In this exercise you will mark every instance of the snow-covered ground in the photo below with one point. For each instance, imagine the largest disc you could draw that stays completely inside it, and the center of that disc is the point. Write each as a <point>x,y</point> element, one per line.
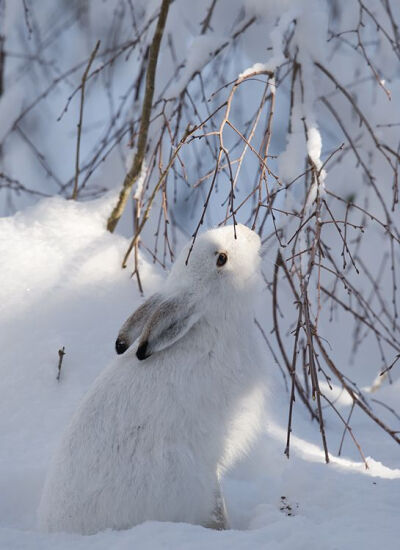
<point>62,285</point>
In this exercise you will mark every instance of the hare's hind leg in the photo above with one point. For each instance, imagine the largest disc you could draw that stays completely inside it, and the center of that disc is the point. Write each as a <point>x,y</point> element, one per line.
<point>219,516</point>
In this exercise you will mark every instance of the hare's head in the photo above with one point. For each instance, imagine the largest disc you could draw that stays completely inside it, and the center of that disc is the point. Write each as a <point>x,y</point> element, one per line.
<point>221,271</point>
<point>222,259</point>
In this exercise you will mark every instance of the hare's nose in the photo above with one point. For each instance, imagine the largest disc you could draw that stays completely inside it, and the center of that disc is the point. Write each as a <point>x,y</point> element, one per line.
<point>121,346</point>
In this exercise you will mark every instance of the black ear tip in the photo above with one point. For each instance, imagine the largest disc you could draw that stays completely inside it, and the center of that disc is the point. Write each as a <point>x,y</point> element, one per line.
<point>121,346</point>
<point>141,351</point>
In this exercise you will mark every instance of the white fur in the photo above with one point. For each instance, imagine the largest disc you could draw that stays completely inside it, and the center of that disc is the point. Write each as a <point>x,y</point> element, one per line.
<point>152,437</point>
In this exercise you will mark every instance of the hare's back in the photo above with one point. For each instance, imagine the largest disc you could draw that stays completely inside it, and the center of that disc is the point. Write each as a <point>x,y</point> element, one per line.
<point>97,460</point>
<point>118,457</point>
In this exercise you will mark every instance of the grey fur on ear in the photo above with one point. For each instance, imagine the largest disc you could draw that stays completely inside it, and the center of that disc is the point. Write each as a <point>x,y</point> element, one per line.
<point>170,321</point>
<point>133,326</point>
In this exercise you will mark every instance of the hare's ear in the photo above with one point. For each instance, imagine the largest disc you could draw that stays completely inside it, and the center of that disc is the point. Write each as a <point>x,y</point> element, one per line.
<point>171,320</point>
<point>133,326</point>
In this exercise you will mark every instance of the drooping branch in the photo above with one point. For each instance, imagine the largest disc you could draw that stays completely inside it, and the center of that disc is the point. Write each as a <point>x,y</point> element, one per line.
<point>153,196</point>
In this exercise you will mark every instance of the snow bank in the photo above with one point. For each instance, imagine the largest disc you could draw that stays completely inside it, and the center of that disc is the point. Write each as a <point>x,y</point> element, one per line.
<point>62,285</point>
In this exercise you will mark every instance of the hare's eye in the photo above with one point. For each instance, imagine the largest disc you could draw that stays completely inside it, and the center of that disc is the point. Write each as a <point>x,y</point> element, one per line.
<point>222,259</point>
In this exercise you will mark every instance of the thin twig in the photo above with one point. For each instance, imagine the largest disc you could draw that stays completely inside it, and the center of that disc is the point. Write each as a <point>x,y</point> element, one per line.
<point>61,353</point>
<point>78,139</point>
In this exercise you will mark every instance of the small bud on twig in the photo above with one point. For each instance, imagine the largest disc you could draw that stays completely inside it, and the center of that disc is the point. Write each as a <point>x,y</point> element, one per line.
<point>61,353</point>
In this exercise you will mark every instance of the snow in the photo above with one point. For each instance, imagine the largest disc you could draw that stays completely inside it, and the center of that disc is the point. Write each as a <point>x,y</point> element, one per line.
<point>199,52</point>
<point>277,39</point>
<point>314,148</point>
<point>314,145</point>
<point>291,160</point>
<point>62,285</point>
<point>256,68</point>
<point>140,182</point>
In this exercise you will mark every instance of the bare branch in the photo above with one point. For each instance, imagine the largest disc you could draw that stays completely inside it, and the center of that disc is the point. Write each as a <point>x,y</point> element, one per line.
<point>135,170</point>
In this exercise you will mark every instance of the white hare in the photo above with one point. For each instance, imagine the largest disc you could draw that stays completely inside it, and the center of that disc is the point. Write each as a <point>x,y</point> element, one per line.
<point>153,435</point>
